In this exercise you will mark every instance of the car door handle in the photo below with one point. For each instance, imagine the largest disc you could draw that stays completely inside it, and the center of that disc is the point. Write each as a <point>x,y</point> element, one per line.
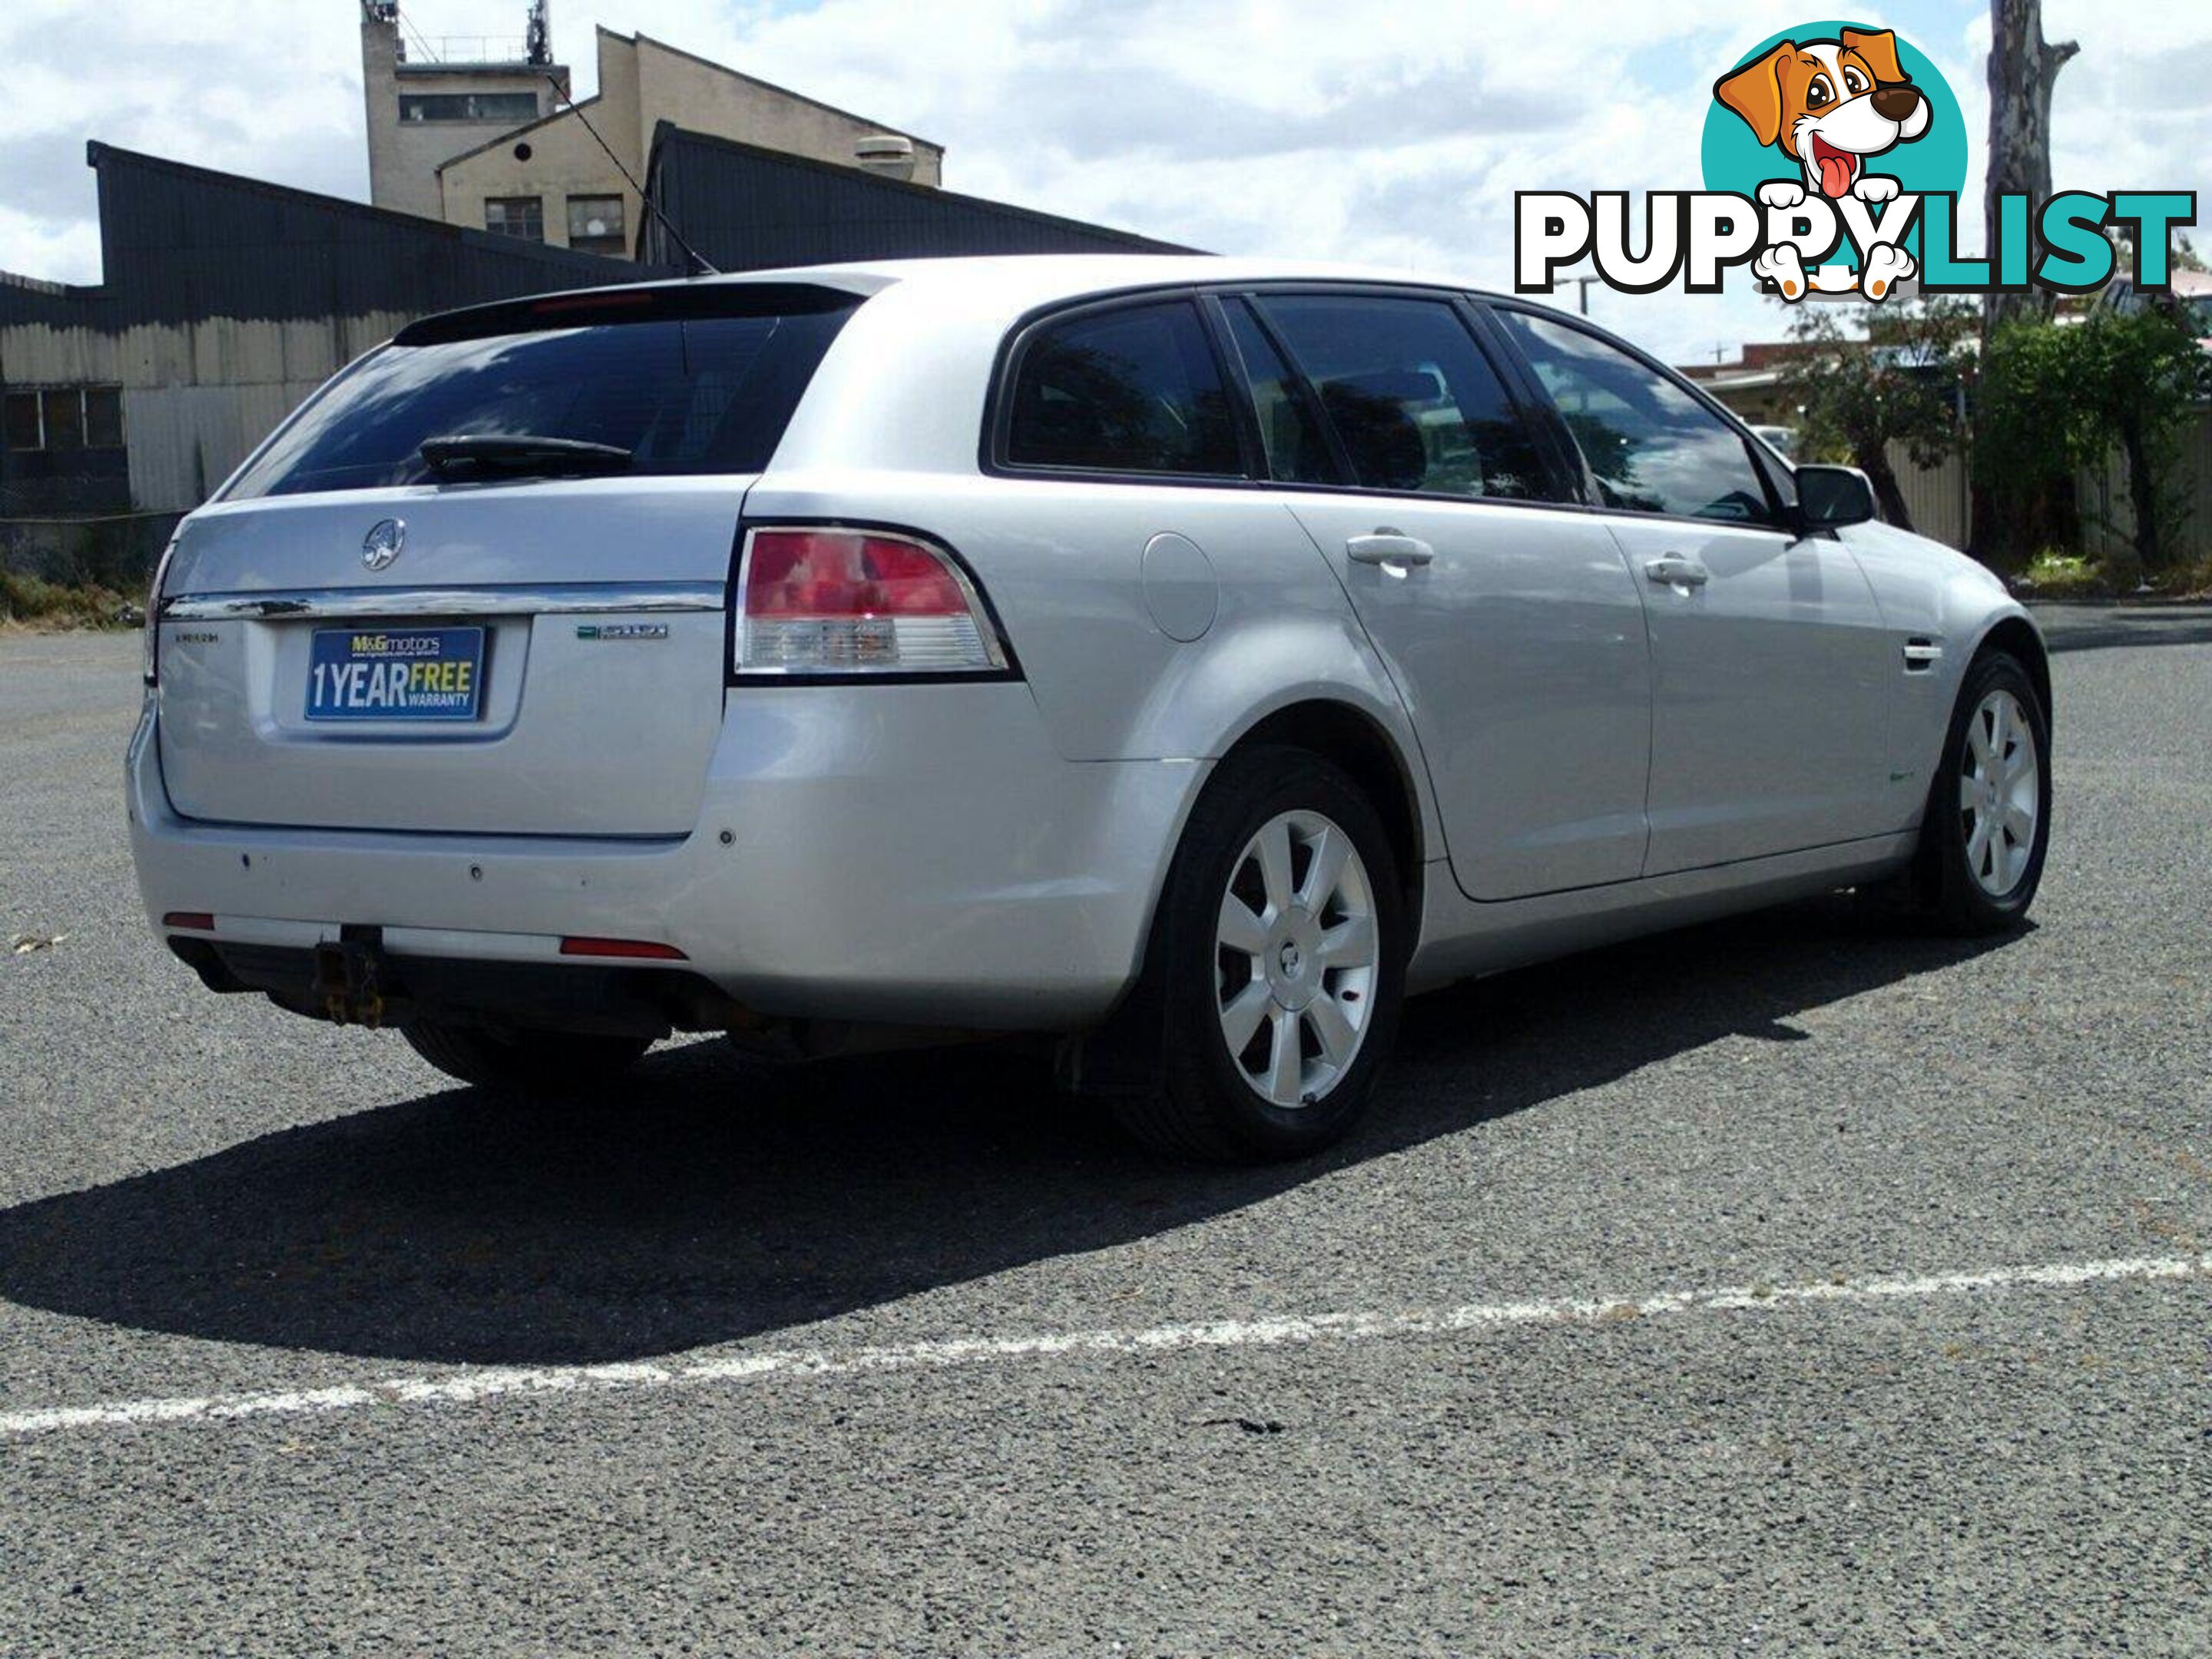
<point>1675,571</point>
<point>1388,547</point>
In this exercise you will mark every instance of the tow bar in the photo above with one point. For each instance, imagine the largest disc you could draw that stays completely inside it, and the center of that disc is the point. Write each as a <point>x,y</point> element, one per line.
<point>349,978</point>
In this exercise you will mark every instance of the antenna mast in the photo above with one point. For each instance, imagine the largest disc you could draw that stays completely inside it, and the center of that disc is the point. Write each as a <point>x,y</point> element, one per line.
<point>699,265</point>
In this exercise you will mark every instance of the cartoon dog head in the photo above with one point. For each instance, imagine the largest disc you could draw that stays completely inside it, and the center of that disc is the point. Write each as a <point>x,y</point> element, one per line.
<point>1829,105</point>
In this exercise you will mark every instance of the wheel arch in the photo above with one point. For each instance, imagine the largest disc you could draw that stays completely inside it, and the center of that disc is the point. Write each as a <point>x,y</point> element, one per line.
<point>1121,1054</point>
<point>1349,738</point>
<point>2020,637</point>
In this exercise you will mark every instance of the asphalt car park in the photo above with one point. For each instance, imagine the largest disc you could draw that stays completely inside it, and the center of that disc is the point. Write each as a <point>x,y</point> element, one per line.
<point>1794,1283</point>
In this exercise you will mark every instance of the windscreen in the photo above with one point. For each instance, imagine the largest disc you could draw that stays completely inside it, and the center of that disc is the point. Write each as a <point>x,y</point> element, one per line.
<point>682,395</point>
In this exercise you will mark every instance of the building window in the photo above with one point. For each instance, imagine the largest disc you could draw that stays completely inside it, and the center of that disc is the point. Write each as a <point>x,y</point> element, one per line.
<point>66,417</point>
<point>63,410</point>
<point>511,108</point>
<point>103,418</point>
<point>516,216</point>
<point>24,431</point>
<point>595,225</point>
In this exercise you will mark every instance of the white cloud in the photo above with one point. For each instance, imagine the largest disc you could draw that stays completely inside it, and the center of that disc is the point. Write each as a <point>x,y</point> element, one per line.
<point>1393,135</point>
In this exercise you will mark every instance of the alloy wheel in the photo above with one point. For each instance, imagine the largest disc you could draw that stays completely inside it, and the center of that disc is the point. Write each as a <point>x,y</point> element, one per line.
<point>1296,952</point>
<point>2000,793</point>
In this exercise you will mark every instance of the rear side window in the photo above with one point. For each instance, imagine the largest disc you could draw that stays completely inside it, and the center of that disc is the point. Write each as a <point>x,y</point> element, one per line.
<point>694,395</point>
<point>1651,446</point>
<point>1134,389</point>
<point>1297,453</point>
<point>1412,399</point>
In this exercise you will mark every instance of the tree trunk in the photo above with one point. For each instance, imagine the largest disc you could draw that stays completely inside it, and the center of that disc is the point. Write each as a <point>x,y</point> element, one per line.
<point>2021,68</point>
<point>2142,499</point>
<point>1875,463</point>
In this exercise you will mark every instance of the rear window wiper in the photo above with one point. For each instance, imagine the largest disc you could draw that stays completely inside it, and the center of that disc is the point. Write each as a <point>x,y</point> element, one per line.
<point>520,456</point>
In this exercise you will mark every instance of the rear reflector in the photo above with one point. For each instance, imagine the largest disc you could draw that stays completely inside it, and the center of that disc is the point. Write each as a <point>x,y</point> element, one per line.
<point>833,601</point>
<point>197,921</point>
<point>635,949</point>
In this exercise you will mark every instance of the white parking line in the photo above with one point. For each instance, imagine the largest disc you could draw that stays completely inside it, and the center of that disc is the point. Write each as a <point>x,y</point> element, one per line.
<point>463,1388</point>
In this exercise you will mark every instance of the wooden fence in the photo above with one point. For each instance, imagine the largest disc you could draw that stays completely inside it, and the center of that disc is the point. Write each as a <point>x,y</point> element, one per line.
<point>1939,500</point>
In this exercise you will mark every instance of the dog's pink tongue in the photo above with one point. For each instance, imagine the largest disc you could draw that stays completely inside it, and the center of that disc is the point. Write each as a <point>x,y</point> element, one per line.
<point>1835,173</point>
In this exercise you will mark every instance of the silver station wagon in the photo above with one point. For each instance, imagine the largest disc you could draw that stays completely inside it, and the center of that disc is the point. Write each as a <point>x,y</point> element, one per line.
<point>1184,657</point>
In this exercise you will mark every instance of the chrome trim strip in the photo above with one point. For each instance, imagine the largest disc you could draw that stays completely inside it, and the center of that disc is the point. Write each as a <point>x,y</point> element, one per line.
<point>359,603</point>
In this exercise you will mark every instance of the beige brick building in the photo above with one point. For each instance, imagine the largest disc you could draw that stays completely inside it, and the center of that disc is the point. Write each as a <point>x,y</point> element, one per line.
<point>490,146</point>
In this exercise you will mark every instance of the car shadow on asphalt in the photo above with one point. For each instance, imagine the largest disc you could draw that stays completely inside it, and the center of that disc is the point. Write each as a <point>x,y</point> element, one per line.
<point>715,1201</point>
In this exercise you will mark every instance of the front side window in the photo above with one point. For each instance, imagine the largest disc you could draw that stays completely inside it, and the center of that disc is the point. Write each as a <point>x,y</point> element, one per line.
<point>516,216</point>
<point>1651,446</point>
<point>1135,389</point>
<point>595,225</point>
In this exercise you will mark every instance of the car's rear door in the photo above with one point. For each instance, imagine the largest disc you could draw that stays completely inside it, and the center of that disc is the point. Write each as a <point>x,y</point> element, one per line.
<point>1514,631</point>
<point>1770,664</point>
<point>516,641</point>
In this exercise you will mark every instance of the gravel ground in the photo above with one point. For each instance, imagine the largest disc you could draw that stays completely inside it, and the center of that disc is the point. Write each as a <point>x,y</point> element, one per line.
<point>201,1196</point>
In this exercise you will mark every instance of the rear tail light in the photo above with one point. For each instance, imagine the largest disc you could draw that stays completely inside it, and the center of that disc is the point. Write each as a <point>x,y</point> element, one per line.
<point>195,922</point>
<point>830,601</point>
<point>150,654</point>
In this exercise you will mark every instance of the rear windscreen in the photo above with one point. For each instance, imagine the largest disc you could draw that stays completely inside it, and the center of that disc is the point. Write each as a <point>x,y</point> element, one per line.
<point>688,395</point>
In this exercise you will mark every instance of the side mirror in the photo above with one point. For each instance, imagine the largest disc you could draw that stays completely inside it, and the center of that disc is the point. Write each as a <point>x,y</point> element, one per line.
<point>1830,497</point>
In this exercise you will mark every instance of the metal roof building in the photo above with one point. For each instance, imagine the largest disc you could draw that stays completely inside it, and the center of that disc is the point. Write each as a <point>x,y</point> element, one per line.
<point>748,209</point>
<point>225,301</point>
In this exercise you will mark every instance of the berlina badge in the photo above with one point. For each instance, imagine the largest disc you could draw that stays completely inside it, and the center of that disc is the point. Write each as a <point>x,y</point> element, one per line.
<point>384,544</point>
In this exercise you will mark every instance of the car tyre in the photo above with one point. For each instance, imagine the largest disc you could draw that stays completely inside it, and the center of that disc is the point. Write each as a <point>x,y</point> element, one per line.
<point>524,1062</point>
<point>1987,823</point>
<point>1277,965</point>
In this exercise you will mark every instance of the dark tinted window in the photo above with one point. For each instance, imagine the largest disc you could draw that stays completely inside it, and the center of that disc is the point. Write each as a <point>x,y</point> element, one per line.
<point>1130,391</point>
<point>103,418</point>
<point>1295,451</point>
<point>698,396</point>
<point>24,429</point>
<point>64,412</point>
<point>1413,401</point>
<point>1652,446</point>
<point>513,108</point>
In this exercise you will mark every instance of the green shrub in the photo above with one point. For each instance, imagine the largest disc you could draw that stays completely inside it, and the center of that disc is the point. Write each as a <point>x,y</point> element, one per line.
<point>2057,397</point>
<point>55,604</point>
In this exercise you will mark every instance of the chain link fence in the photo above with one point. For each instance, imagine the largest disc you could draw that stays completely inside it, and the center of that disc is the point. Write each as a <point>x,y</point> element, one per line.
<point>116,551</point>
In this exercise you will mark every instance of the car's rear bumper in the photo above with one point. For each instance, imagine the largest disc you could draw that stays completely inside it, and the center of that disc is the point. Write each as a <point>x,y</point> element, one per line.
<point>907,853</point>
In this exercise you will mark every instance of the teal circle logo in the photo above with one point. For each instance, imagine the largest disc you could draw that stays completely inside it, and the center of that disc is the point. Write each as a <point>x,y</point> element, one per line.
<point>1827,105</point>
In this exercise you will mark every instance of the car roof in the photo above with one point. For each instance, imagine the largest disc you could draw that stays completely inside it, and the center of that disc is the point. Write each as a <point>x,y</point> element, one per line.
<point>1025,280</point>
<point>1004,286</point>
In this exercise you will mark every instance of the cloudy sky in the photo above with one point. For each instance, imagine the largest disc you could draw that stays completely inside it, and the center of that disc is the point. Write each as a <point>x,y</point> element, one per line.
<point>1390,135</point>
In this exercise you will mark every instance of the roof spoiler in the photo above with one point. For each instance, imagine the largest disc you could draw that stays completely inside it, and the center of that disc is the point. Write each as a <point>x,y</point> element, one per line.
<point>597,307</point>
